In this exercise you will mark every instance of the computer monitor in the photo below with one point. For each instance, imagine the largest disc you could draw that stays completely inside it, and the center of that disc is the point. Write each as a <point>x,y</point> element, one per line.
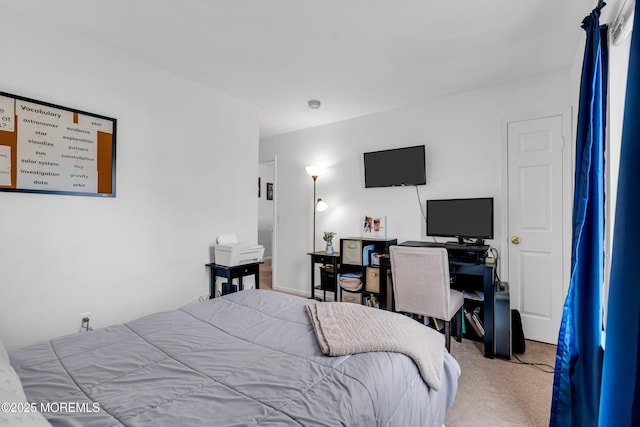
<point>461,218</point>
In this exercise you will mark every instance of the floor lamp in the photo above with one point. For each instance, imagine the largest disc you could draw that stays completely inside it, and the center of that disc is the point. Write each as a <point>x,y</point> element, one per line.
<point>318,204</point>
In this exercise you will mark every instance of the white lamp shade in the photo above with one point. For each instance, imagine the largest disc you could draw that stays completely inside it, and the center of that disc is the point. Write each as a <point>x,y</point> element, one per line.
<point>321,205</point>
<point>314,170</point>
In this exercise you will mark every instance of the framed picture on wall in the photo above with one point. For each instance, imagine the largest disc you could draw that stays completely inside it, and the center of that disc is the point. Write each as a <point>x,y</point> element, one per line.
<point>269,191</point>
<point>48,148</point>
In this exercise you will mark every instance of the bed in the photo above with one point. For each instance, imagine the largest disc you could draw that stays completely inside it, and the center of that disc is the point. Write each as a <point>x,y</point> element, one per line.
<point>248,358</point>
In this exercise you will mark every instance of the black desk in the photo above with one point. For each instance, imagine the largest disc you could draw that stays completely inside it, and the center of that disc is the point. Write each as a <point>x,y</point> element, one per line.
<point>463,261</point>
<point>330,283</point>
<point>234,272</point>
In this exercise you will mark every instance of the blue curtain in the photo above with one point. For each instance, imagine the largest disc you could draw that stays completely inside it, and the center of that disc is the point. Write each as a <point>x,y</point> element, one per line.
<point>576,386</point>
<point>620,396</point>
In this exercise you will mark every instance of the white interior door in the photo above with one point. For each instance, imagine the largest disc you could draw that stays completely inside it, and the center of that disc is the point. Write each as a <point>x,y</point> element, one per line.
<point>535,203</point>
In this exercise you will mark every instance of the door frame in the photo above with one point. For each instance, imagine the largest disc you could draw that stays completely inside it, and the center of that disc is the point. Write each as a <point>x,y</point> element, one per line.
<point>568,167</point>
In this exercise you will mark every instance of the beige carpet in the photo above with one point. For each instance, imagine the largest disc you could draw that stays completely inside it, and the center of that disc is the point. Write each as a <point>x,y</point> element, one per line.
<point>496,392</point>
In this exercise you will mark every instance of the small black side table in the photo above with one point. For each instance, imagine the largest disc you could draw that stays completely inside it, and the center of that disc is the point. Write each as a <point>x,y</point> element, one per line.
<point>331,282</point>
<point>236,271</point>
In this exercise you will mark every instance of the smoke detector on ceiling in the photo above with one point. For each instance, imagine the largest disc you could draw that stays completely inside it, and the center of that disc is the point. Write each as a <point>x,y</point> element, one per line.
<point>314,104</point>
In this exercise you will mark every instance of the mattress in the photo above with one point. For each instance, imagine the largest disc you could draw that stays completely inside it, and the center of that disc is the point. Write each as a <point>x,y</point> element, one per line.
<point>246,359</point>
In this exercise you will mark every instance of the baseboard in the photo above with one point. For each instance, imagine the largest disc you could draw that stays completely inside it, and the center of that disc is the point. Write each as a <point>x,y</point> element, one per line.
<point>292,291</point>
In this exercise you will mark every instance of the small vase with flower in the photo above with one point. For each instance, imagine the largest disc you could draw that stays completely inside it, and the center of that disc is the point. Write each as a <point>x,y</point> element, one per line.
<point>328,238</point>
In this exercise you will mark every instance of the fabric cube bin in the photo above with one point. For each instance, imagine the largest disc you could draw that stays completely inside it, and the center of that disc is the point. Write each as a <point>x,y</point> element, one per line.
<point>372,280</point>
<point>351,252</point>
<point>354,297</point>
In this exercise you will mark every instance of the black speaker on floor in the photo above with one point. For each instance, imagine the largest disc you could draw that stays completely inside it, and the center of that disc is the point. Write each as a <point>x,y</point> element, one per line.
<point>517,334</point>
<point>502,321</point>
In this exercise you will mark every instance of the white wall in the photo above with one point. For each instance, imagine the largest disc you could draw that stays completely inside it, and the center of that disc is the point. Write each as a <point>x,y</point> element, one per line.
<point>187,160</point>
<point>463,134</point>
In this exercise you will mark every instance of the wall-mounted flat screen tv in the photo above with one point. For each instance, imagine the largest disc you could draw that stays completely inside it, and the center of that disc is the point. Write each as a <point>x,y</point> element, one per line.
<point>395,167</point>
<point>461,218</point>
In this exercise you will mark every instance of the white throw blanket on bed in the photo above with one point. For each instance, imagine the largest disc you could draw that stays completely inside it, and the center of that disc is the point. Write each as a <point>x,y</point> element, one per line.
<point>343,329</point>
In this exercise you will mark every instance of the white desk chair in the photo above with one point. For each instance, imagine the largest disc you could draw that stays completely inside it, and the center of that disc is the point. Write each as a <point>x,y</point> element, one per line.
<point>421,286</point>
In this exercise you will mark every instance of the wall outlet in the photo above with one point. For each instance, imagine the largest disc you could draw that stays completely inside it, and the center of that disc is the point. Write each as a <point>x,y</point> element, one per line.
<point>85,321</point>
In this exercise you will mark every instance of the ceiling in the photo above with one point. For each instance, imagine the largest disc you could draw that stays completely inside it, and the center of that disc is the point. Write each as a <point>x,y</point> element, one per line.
<point>356,56</point>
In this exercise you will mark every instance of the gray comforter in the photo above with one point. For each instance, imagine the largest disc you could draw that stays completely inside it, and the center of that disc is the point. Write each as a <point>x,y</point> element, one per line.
<point>249,358</point>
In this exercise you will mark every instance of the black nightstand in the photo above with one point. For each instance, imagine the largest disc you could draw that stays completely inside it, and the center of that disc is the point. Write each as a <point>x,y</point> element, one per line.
<point>328,279</point>
<point>234,272</point>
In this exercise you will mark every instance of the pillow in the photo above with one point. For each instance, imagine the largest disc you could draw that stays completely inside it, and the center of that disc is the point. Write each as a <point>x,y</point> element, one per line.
<point>15,410</point>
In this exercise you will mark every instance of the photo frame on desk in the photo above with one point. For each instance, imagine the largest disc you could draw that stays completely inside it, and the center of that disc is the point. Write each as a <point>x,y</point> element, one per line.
<point>374,226</point>
<point>375,259</point>
<point>51,149</point>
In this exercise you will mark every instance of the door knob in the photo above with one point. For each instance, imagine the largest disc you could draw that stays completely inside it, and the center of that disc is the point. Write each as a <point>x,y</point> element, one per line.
<point>515,240</point>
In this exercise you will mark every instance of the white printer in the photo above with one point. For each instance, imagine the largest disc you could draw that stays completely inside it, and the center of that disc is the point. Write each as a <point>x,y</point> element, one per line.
<point>229,252</point>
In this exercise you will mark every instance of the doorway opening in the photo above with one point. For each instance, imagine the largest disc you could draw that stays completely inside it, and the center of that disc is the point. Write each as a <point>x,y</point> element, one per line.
<point>266,220</point>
